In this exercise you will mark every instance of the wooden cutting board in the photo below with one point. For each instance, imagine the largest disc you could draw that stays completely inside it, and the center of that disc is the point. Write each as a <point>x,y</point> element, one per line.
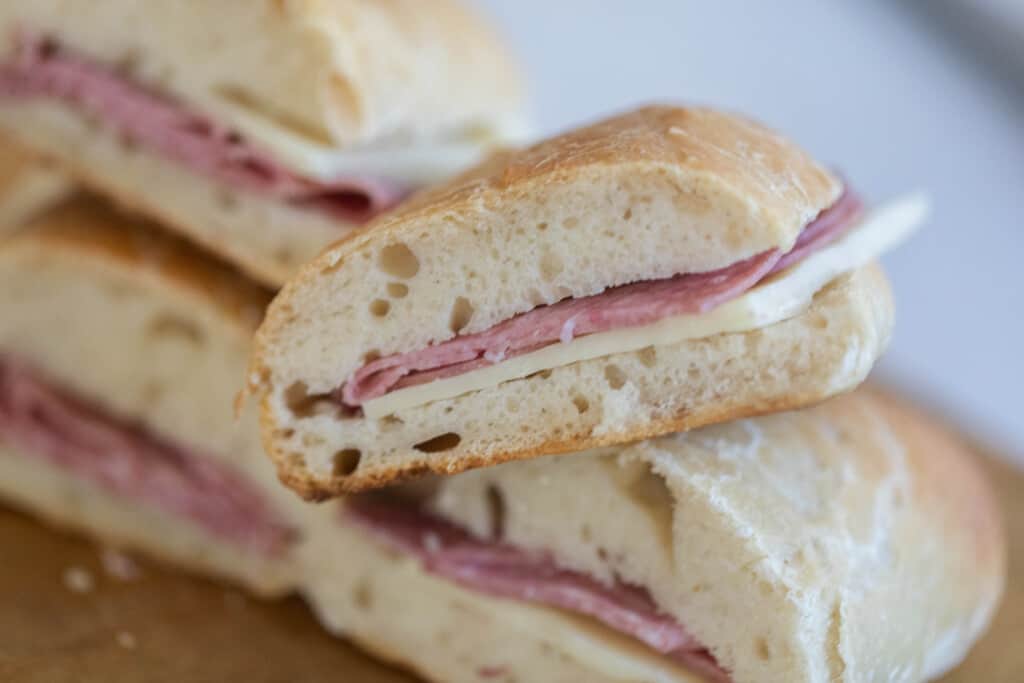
<point>163,626</point>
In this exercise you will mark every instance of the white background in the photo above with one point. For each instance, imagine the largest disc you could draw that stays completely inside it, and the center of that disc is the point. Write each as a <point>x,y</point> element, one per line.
<point>892,93</point>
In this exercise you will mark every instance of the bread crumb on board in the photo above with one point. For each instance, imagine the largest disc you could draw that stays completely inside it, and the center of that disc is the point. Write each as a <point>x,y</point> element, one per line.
<point>78,580</point>
<point>126,640</point>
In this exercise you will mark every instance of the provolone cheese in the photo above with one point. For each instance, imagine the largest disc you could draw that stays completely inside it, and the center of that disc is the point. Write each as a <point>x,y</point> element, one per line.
<point>407,162</point>
<point>778,298</point>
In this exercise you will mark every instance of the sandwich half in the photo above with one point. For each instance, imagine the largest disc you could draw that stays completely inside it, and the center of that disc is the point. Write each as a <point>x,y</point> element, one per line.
<point>263,129</point>
<point>26,187</point>
<point>120,352</point>
<point>852,542</point>
<point>654,272</point>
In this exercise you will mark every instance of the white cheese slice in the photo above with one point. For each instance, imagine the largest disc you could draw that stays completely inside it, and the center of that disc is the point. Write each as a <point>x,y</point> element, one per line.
<point>778,298</point>
<point>412,163</point>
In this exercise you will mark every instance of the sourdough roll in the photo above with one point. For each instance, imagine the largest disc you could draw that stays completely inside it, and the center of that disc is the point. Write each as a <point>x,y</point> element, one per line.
<point>657,271</point>
<point>271,128</point>
<point>855,541</point>
<point>120,353</point>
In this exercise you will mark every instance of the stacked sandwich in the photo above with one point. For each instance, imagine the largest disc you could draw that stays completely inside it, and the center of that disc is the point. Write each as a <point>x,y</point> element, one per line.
<point>245,137</point>
<point>530,392</point>
<point>663,270</point>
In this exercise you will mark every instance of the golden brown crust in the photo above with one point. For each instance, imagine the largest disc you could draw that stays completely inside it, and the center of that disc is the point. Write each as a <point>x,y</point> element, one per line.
<point>698,146</point>
<point>88,227</point>
<point>951,485</point>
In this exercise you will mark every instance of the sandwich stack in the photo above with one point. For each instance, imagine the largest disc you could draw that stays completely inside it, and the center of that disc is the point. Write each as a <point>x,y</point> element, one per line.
<point>125,338</point>
<point>636,292</point>
<point>581,411</point>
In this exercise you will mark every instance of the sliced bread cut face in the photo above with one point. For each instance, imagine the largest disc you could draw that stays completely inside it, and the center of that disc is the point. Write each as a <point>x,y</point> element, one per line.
<point>828,349</point>
<point>647,195</point>
<point>149,335</point>
<point>776,541</point>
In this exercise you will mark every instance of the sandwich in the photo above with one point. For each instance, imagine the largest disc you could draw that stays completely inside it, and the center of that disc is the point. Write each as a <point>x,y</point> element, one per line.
<point>261,129</point>
<point>654,272</point>
<point>850,542</point>
<point>120,352</point>
<point>26,187</point>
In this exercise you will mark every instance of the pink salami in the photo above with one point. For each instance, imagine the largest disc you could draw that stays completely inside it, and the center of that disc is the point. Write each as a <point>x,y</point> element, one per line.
<point>495,568</point>
<point>41,421</point>
<point>41,69</point>
<point>639,303</point>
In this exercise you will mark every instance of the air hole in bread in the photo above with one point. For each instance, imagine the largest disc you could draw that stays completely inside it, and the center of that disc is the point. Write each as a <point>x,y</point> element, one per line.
<point>346,461</point>
<point>128,144</point>
<point>586,535</point>
<point>284,433</point>
<point>581,403</point>
<point>762,650</point>
<point>284,255</point>
<point>650,492</point>
<point>299,401</point>
<point>615,376</point>
<point>439,444</point>
<point>371,355</point>
<point>391,422</point>
<point>152,392</point>
<point>820,322</point>
<point>362,595</point>
<point>171,325</point>
<point>380,307</point>
<point>570,222</point>
<point>697,588</point>
<point>496,512</point>
<point>628,214</point>
<point>462,313</point>
<point>228,200</point>
<point>397,260</point>
<point>92,123</point>
<point>397,290</point>
<point>648,356</point>
<point>542,226</point>
<point>550,266</point>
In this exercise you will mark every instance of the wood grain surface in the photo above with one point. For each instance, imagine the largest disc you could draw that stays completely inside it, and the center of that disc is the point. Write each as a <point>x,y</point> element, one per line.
<point>163,626</point>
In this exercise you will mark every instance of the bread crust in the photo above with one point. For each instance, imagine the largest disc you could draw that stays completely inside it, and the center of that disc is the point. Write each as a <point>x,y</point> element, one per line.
<point>717,160</point>
<point>780,542</point>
